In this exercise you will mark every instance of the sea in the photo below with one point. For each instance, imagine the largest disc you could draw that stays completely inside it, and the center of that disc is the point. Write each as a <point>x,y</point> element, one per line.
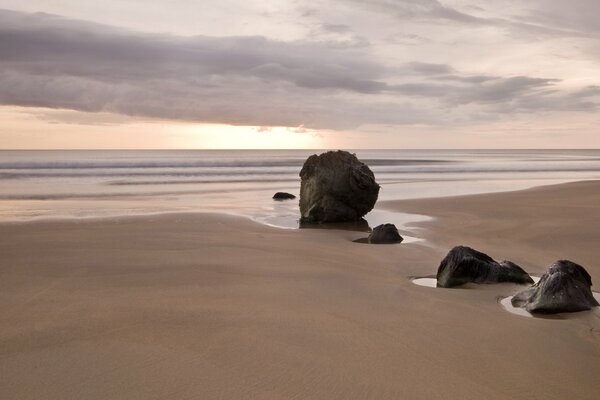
<point>50,184</point>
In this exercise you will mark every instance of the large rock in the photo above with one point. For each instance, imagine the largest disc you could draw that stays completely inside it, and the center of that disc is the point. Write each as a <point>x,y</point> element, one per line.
<point>463,264</point>
<point>565,287</point>
<point>336,187</point>
<point>385,234</point>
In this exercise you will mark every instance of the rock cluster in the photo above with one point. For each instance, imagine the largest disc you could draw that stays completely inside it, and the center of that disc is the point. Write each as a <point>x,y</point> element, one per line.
<point>337,188</point>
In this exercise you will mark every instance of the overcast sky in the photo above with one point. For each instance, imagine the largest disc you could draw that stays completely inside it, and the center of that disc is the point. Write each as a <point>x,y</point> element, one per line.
<point>345,73</point>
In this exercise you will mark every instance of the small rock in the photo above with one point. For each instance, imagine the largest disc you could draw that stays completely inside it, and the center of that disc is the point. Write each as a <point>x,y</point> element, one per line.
<point>385,234</point>
<point>283,196</point>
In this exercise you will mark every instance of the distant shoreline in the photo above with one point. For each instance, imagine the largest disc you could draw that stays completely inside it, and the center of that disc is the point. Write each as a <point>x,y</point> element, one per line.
<point>121,183</point>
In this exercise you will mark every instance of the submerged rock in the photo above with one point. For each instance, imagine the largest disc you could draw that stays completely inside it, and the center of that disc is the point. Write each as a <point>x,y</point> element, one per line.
<point>463,264</point>
<point>565,287</point>
<point>283,196</point>
<point>385,234</point>
<point>336,187</point>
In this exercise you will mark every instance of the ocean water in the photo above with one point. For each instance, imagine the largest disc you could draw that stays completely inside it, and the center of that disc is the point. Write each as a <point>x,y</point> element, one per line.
<point>57,184</point>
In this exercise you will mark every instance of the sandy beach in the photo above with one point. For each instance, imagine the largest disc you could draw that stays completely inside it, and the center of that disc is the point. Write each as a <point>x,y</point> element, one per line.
<point>209,306</point>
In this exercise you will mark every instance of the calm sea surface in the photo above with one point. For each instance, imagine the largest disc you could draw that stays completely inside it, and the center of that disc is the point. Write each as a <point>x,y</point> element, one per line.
<point>41,184</point>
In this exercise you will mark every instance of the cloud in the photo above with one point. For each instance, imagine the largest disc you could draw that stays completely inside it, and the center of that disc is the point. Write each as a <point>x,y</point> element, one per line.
<point>49,61</point>
<point>429,68</point>
<point>503,89</point>
<point>62,46</point>
<point>572,16</point>
<point>335,28</point>
<point>544,18</point>
<point>466,78</point>
<point>486,90</point>
<point>55,62</point>
<point>406,39</point>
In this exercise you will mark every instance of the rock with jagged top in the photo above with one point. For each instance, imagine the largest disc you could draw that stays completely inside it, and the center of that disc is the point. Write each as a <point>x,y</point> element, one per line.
<point>336,187</point>
<point>564,287</point>
<point>463,265</point>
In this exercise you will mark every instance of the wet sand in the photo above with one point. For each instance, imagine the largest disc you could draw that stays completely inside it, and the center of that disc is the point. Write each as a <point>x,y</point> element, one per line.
<point>203,306</point>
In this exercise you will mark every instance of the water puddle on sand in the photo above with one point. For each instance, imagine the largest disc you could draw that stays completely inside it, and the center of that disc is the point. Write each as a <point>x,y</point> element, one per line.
<point>507,305</point>
<point>427,282</point>
<point>285,215</point>
<point>432,282</point>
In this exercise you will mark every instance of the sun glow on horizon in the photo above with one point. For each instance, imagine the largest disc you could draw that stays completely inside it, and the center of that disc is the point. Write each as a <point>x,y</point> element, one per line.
<point>31,128</point>
<point>219,136</point>
<point>42,128</point>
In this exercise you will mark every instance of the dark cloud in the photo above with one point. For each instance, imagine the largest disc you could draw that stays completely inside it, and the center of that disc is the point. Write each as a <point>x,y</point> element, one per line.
<point>466,78</point>
<point>52,45</point>
<point>481,90</point>
<point>49,61</point>
<point>428,68</point>
<point>424,89</point>
<point>502,90</point>
<point>589,91</point>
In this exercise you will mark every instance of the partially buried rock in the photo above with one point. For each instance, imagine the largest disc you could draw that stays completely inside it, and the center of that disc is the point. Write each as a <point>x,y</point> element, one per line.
<point>283,196</point>
<point>463,264</point>
<point>565,287</point>
<point>385,234</point>
<point>360,225</point>
<point>336,187</point>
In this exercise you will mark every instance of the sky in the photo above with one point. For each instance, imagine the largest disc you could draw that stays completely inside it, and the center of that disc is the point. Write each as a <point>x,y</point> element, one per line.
<point>299,74</point>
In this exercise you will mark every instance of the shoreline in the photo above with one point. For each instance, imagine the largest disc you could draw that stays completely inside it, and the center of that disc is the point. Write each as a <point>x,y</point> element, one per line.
<point>213,306</point>
<point>382,207</point>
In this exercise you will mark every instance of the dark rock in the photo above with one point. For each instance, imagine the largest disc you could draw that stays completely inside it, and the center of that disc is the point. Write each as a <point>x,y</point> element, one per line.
<point>463,264</point>
<point>385,234</point>
<point>565,287</point>
<point>336,187</point>
<point>283,196</point>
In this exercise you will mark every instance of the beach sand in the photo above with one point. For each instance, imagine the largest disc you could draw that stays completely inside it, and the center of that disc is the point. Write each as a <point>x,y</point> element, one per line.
<point>204,306</point>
